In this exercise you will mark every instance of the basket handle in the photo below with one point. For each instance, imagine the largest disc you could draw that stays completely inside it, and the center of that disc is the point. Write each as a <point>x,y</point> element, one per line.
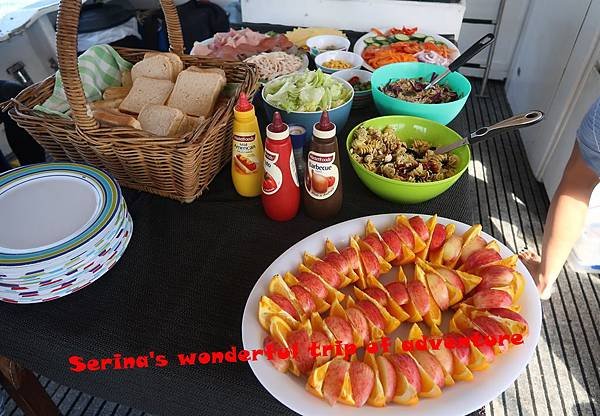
<point>67,23</point>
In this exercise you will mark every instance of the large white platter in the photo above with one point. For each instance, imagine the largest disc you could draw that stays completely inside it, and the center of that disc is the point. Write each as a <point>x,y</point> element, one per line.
<point>460,399</point>
<point>360,46</point>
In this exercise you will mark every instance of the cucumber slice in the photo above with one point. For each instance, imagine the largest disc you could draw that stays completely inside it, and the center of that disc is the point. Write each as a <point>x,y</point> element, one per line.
<point>369,41</point>
<point>381,39</point>
<point>418,36</point>
<point>392,39</point>
<point>402,37</point>
<point>429,39</point>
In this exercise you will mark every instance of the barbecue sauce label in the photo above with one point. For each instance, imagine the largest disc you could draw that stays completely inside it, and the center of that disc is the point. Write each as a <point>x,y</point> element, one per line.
<point>244,151</point>
<point>273,177</point>
<point>322,176</point>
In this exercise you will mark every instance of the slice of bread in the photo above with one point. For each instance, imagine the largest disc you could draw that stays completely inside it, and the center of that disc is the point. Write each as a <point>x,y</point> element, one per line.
<point>189,123</point>
<point>112,103</point>
<point>175,60</point>
<point>156,67</point>
<point>146,91</point>
<point>196,92</point>
<point>161,120</point>
<point>109,118</point>
<point>126,80</point>
<point>112,93</point>
<point>210,71</point>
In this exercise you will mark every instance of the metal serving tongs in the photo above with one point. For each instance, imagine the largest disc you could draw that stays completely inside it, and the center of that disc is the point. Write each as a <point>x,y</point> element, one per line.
<point>463,58</point>
<point>504,126</point>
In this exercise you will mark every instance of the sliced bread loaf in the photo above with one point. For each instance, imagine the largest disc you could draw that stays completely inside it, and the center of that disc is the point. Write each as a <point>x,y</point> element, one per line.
<point>146,91</point>
<point>175,61</point>
<point>157,67</point>
<point>161,120</point>
<point>110,117</point>
<point>196,92</point>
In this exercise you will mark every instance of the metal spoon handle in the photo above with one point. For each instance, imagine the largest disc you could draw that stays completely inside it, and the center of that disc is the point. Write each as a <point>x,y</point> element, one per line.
<point>463,58</point>
<point>512,123</point>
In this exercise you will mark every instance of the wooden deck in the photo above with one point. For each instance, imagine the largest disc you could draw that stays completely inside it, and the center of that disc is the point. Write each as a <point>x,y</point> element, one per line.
<point>563,377</point>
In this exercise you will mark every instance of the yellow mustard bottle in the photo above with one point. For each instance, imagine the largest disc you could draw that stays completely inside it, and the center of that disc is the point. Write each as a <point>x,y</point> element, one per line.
<point>247,153</point>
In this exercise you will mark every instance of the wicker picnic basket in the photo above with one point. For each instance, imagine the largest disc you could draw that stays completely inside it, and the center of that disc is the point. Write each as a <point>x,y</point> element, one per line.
<point>180,168</point>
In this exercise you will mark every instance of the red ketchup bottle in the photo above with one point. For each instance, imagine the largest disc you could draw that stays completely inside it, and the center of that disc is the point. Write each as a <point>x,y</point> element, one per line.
<point>280,188</point>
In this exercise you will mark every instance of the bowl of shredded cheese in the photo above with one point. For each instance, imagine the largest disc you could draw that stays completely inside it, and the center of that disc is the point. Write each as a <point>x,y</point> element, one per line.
<point>334,61</point>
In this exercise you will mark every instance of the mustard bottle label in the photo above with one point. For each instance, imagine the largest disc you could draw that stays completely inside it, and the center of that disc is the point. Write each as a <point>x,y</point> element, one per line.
<point>245,153</point>
<point>322,175</point>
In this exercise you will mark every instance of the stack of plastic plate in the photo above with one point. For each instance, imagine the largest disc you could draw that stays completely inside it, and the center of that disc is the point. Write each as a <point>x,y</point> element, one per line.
<point>62,226</point>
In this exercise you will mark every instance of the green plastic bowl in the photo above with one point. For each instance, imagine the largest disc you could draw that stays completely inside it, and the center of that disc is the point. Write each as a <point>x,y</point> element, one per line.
<point>409,128</point>
<point>442,113</point>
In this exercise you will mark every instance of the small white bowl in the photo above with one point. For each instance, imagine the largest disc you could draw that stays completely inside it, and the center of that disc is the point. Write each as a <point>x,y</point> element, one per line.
<point>353,59</point>
<point>324,43</point>
<point>362,74</point>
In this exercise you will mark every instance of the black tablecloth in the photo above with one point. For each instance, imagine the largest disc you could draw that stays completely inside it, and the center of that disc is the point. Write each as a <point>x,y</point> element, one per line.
<point>181,286</point>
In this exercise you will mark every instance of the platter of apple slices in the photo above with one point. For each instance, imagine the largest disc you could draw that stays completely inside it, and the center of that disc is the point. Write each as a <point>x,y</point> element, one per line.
<point>393,277</point>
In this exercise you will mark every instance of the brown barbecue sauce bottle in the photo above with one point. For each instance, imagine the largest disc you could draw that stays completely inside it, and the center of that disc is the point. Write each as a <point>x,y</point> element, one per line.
<point>322,193</point>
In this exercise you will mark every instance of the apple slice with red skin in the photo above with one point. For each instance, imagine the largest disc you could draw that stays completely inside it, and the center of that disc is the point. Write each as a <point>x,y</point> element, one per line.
<point>419,295</point>
<point>377,294</point>
<point>444,357</point>
<point>471,247</point>
<point>452,277</point>
<point>409,270</point>
<point>461,352</point>
<point>397,291</point>
<point>362,380</point>
<point>304,299</point>
<point>338,262</point>
<point>492,328</point>
<point>370,263</point>
<point>508,314</point>
<point>495,276</point>
<point>334,380</point>
<point>285,304</point>
<point>327,273</point>
<point>439,290</point>
<point>437,237</point>
<point>480,258</point>
<point>371,312</point>
<point>405,365</point>
<point>491,298</point>
<point>418,224</point>
<point>405,235</point>
<point>320,339</point>
<point>280,364</point>
<point>431,366</point>
<point>387,375</point>
<point>341,329</point>
<point>351,256</point>
<point>485,349</point>
<point>359,323</point>
<point>375,243</point>
<point>303,359</point>
<point>313,284</point>
<point>452,248</point>
<point>393,242</point>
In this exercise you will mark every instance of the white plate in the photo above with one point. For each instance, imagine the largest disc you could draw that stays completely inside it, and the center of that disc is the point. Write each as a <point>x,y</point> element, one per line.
<point>360,45</point>
<point>460,399</point>
<point>46,211</point>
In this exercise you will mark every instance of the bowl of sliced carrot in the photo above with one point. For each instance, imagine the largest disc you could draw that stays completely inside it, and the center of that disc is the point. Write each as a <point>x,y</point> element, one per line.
<point>394,45</point>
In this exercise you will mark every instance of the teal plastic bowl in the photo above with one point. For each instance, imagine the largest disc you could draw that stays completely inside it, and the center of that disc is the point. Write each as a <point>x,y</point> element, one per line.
<point>441,113</point>
<point>408,129</point>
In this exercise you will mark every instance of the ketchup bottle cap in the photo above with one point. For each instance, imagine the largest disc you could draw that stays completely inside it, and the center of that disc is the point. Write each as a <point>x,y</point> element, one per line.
<point>277,130</point>
<point>324,129</point>
<point>243,104</point>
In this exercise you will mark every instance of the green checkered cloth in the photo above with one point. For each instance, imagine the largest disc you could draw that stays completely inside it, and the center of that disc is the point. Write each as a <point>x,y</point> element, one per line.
<point>100,67</point>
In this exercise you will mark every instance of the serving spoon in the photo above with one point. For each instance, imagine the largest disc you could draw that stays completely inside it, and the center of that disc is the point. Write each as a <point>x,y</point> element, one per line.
<point>504,126</point>
<point>464,58</point>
